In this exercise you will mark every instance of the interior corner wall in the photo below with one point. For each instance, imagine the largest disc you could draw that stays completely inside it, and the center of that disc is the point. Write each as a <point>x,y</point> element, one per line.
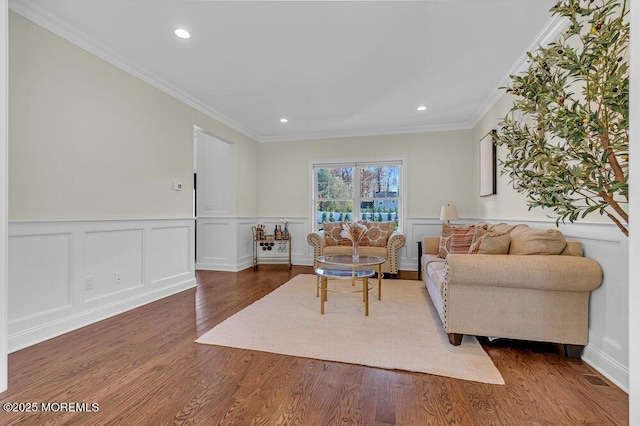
<point>634,252</point>
<point>90,141</point>
<point>608,345</point>
<point>3,193</point>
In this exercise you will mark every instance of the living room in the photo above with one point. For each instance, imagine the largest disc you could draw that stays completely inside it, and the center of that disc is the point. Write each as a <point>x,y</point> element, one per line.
<point>98,196</point>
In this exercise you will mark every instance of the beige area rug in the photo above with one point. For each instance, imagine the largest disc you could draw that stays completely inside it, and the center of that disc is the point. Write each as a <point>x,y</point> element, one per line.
<point>402,332</point>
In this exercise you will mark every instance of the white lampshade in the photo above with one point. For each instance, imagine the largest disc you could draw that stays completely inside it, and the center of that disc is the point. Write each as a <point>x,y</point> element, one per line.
<point>448,213</point>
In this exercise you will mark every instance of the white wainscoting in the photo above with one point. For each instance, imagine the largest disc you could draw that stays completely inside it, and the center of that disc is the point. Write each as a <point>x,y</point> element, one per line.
<point>608,348</point>
<point>62,274</point>
<point>226,243</point>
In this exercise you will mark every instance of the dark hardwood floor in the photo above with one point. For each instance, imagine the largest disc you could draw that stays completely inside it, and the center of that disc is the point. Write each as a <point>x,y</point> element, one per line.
<point>143,368</point>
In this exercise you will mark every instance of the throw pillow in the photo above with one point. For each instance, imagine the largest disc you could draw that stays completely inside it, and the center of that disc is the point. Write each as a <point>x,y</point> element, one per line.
<point>378,234</point>
<point>502,227</point>
<point>518,229</point>
<point>533,241</point>
<point>482,225</point>
<point>332,232</point>
<point>463,238</point>
<point>445,240</point>
<point>491,242</point>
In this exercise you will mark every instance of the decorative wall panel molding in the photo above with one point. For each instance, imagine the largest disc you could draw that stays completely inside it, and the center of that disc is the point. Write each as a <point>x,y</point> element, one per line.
<point>225,243</point>
<point>64,275</point>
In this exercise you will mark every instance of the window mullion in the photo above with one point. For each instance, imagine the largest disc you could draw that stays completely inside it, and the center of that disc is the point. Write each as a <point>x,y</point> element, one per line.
<point>356,193</point>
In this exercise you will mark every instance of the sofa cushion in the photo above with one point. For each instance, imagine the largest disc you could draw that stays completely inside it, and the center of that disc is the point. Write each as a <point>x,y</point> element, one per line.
<point>490,242</point>
<point>379,233</point>
<point>518,229</point>
<point>534,241</point>
<point>511,229</point>
<point>500,227</point>
<point>435,274</point>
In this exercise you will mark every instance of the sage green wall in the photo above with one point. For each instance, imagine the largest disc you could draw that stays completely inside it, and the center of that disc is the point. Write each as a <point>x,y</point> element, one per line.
<point>89,141</point>
<point>439,170</point>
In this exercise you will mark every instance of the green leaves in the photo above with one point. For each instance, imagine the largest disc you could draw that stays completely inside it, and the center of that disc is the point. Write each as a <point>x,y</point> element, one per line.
<point>569,150</point>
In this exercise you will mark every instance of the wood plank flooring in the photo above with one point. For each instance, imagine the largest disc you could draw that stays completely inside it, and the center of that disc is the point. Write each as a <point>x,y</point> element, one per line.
<point>143,368</point>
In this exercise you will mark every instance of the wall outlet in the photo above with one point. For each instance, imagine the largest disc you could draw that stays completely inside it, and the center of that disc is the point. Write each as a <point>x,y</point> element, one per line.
<point>88,283</point>
<point>117,277</point>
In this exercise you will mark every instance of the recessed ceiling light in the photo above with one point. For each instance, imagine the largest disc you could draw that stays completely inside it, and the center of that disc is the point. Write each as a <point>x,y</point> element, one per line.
<point>284,120</point>
<point>182,33</point>
<point>422,108</point>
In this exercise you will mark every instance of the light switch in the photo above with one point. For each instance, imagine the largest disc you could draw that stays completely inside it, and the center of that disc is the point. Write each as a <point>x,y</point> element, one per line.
<point>177,186</point>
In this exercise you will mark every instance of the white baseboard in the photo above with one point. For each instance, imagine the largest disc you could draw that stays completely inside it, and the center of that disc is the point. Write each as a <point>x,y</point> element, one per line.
<point>607,366</point>
<point>69,323</point>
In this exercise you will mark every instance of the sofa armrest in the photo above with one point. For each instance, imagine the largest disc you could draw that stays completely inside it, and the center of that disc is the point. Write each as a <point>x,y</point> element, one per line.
<point>396,241</point>
<point>538,272</point>
<point>430,245</point>
<point>317,241</point>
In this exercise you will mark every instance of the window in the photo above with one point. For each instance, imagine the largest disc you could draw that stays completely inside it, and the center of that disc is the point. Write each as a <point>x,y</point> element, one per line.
<point>358,190</point>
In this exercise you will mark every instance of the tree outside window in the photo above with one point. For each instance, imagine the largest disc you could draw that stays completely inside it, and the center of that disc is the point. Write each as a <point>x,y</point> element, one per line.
<point>377,199</point>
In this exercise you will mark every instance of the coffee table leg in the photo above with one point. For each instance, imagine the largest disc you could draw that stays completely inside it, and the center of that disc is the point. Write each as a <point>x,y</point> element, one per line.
<point>379,281</point>
<point>365,290</point>
<point>323,293</point>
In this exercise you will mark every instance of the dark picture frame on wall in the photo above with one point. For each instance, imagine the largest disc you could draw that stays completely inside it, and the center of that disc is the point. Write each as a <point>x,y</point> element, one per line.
<point>488,177</point>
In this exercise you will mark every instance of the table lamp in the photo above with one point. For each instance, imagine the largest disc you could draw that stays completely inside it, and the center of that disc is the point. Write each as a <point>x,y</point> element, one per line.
<point>449,213</point>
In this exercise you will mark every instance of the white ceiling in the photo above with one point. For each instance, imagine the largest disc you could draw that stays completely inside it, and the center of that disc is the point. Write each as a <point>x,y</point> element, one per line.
<point>332,68</point>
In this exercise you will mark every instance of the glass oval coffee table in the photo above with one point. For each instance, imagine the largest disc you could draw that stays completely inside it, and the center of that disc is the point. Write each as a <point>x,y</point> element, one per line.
<point>342,260</point>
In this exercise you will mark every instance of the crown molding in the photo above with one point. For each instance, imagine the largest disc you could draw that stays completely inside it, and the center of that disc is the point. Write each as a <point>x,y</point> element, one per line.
<point>551,31</point>
<point>58,26</point>
<point>367,132</point>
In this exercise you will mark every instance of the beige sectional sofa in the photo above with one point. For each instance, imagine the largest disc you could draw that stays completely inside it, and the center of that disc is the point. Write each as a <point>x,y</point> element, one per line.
<point>381,240</point>
<point>537,296</point>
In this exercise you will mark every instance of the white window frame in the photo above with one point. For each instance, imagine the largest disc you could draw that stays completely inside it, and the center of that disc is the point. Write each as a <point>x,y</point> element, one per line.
<point>359,162</point>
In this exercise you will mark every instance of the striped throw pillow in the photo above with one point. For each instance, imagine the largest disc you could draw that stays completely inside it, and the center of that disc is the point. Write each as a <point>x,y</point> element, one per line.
<point>454,239</point>
<point>461,239</point>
